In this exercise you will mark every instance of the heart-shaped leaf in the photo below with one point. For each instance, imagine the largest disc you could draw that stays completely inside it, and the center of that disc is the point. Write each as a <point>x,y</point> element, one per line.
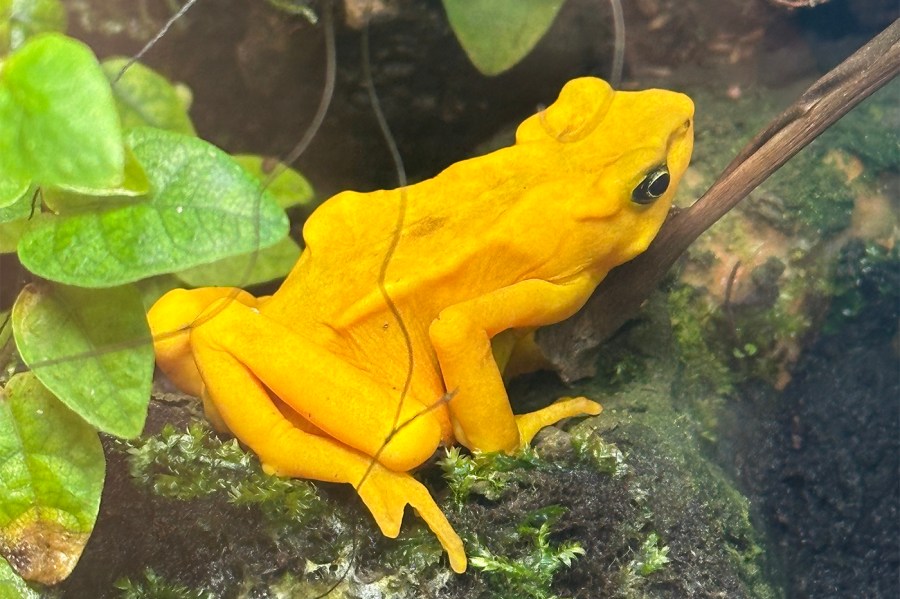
<point>289,188</point>
<point>20,207</point>
<point>146,98</point>
<point>11,190</point>
<point>201,207</point>
<point>51,477</point>
<point>10,234</point>
<point>91,348</point>
<point>269,264</point>
<point>496,34</point>
<point>58,117</point>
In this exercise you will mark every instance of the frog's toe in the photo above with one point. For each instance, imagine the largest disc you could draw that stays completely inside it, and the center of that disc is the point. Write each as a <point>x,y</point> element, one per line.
<point>387,493</point>
<point>565,407</point>
<point>386,511</point>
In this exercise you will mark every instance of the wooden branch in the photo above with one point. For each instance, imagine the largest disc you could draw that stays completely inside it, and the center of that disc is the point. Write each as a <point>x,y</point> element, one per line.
<point>570,345</point>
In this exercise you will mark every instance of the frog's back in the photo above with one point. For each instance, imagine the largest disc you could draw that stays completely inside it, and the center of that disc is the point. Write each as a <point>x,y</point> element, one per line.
<point>556,204</point>
<point>349,236</point>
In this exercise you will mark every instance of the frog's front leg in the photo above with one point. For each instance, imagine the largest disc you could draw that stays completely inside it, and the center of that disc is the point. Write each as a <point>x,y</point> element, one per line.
<point>461,336</point>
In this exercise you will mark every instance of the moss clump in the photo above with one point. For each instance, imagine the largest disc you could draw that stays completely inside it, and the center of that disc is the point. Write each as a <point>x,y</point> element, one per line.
<point>871,131</point>
<point>862,272</point>
<point>195,463</point>
<point>650,558</point>
<point>676,488</point>
<point>706,369</point>
<point>592,449</point>
<point>807,196</point>
<point>486,474</point>
<point>154,586</point>
<point>530,572</point>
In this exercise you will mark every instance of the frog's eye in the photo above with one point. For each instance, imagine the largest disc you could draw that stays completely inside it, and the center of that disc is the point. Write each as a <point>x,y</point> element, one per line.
<point>654,185</point>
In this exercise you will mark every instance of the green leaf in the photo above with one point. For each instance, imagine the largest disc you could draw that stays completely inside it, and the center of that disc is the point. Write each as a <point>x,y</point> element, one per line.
<point>289,188</point>
<point>11,584</point>
<point>146,98</point>
<point>202,207</point>
<point>22,19</point>
<point>58,117</point>
<point>496,34</point>
<point>91,348</point>
<point>244,270</point>
<point>52,469</point>
<point>5,335</point>
<point>14,220</point>
<point>71,198</point>
<point>18,208</point>
<point>11,190</point>
<point>10,234</point>
<point>296,7</point>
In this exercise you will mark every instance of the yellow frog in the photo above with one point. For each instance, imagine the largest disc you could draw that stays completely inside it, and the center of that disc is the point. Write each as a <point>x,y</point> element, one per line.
<point>322,381</point>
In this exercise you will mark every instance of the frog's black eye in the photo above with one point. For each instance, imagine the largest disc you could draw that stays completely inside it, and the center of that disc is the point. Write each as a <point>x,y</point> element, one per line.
<point>654,185</point>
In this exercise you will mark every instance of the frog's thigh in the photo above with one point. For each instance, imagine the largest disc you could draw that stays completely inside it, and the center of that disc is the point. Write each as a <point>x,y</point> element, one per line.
<point>482,416</point>
<point>284,449</point>
<point>337,397</point>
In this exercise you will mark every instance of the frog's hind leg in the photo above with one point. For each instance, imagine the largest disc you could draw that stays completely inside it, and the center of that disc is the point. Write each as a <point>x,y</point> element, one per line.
<point>340,399</point>
<point>171,319</point>
<point>285,449</point>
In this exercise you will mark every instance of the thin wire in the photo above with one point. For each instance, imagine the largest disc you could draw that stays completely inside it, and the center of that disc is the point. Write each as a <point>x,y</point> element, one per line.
<point>391,143</point>
<point>302,145</point>
<point>159,35</point>
<point>618,65</point>
<point>398,227</point>
<point>324,101</point>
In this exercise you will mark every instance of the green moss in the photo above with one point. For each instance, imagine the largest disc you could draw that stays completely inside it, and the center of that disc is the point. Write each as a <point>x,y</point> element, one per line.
<point>723,125</point>
<point>650,558</point>
<point>871,131</point>
<point>602,455</point>
<point>705,368</point>
<point>807,196</point>
<point>530,572</point>
<point>154,587</point>
<point>195,464</point>
<point>486,474</point>
<point>862,273</point>
<point>678,490</point>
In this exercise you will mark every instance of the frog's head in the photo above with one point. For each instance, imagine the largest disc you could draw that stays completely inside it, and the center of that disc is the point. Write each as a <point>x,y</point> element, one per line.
<point>624,153</point>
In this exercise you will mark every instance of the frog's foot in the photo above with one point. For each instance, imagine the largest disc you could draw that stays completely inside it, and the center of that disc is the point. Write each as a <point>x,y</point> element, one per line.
<point>386,494</point>
<point>565,407</point>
